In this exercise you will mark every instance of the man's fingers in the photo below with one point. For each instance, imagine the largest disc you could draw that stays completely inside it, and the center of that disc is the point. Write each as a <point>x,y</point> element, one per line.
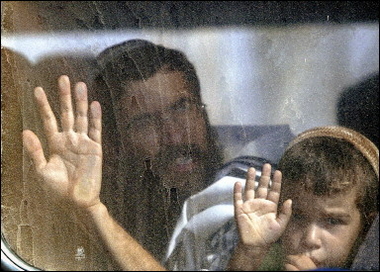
<point>95,132</point>
<point>47,115</point>
<point>67,115</point>
<point>81,122</point>
<point>34,149</point>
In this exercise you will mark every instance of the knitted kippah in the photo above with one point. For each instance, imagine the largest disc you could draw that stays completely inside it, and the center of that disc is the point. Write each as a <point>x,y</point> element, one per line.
<point>362,143</point>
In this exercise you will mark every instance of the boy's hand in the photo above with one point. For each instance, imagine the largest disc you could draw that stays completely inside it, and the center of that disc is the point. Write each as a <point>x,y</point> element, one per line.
<point>256,215</point>
<point>299,263</point>
<point>74,170</point>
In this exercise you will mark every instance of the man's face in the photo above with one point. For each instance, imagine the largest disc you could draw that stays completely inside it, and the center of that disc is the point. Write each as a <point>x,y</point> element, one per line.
<point>323,228</point>
<point>160,119</point>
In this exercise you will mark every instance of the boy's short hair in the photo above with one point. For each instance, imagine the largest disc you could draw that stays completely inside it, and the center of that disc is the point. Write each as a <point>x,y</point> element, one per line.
<point>333,159</point>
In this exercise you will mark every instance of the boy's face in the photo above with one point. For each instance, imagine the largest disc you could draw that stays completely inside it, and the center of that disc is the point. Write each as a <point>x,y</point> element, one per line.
<point>323,228</point>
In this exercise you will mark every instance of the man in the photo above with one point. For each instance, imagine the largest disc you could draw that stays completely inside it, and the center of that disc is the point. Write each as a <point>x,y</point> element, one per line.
<point>163,132</point>
<point>165,147</point>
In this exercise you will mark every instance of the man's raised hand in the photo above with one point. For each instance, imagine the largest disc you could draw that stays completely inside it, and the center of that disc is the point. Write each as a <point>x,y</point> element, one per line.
<point>73,170</point>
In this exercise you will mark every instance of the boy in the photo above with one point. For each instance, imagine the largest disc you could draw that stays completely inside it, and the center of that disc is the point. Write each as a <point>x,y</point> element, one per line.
<point>329,199</point>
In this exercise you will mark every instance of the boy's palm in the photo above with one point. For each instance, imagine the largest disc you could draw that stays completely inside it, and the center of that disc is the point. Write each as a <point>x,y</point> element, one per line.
<point>257,221</point>
<point>256,216</point>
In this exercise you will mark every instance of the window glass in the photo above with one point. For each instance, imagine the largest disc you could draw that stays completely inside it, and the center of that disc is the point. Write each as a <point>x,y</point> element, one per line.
<point>266,74</point>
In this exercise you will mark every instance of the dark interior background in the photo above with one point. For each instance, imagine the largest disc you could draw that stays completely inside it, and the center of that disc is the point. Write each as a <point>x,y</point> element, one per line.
<point>26,16</point>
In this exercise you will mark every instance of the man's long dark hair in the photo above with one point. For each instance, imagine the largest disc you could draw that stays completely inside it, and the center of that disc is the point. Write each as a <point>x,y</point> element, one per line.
<point>119,65</point>
<point>138,60</point>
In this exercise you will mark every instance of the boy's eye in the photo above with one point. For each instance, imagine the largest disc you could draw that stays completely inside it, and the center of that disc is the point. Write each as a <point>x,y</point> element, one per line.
<point>334,221</point>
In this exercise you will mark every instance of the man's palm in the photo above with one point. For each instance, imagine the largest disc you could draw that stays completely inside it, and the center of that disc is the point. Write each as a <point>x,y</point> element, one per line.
<point>73,171</point>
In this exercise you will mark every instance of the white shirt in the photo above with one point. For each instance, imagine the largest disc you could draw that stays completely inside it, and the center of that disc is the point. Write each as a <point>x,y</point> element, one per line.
<point>205,233</point>
<point>203,214</point>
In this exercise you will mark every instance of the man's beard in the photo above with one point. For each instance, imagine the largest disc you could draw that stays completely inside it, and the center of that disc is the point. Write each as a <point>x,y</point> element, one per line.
<point>146,189</point>
<point>182,167</point>
<point>186,167</point>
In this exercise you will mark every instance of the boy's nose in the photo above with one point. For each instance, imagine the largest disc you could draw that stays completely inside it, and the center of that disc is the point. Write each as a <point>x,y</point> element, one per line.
<point>312,236</point>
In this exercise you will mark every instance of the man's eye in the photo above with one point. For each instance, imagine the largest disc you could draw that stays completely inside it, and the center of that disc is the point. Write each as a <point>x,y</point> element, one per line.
<point>182,105</point>
<point>140,123</point>
<point>298,216</point>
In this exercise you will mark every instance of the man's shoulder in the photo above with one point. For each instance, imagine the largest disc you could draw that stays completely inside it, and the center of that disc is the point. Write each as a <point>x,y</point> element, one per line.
<point>209,212</point>
<point>220,192</point>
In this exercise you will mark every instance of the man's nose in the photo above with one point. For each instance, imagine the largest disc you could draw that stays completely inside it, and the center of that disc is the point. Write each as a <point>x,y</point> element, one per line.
<point>172,132</point>
<point>312,236</point>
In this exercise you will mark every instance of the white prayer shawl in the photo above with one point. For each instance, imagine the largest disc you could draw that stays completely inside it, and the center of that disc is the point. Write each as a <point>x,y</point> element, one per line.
<point>202,216</point>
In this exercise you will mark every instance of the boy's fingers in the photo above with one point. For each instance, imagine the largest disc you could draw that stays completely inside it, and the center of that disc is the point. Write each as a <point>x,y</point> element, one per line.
<point>262,189</point>
<point>285,214</point>
<point>299,262</point>
<point>274,192</point>
<point>67,115</point>
<point>238,197</point>
<point>249,190</point>
<point>290,267</point>
<point>34,149</point>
